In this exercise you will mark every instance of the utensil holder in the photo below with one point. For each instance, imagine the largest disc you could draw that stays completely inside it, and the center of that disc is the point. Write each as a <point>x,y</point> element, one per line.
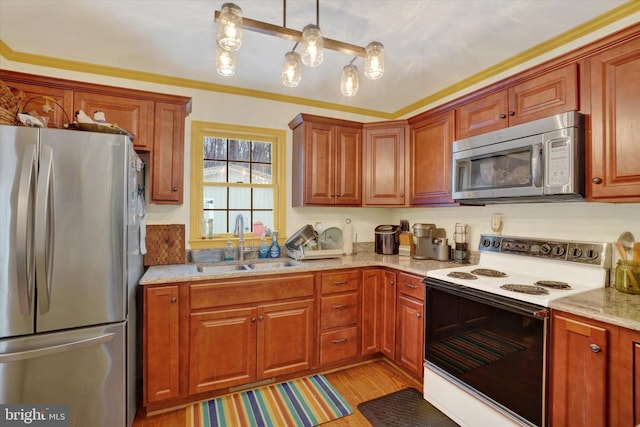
<point>628,277</point>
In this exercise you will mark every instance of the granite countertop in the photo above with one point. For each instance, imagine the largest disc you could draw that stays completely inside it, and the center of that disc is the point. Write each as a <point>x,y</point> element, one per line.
<point>188,272</point>
<point>606,305</point>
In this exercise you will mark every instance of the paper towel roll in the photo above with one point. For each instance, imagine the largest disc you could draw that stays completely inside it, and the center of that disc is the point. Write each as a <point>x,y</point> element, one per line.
<point>347,238</point>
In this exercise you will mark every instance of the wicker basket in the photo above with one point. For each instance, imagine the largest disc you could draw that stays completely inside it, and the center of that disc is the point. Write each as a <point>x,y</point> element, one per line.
<point>11,100</point>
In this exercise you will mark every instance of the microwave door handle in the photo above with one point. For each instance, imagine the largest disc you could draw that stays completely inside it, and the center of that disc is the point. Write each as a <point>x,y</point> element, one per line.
<point>536,165</point>
<point>44,228</point>
<point>24,230</point>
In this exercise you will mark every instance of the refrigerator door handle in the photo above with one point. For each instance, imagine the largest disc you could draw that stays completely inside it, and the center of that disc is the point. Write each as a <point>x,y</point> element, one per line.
<point>24,230</point>
<point>54,349</point>
<point>44,228</point>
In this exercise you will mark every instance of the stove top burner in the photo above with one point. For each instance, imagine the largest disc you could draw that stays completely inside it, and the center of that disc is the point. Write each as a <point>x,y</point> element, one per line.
<point>553,284</point>
<point>526,289</point>
<point>462,275</point>
<point>488,272</point>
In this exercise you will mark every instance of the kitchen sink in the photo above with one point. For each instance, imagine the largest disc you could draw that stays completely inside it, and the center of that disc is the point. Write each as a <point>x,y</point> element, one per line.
<point>271,265</point>
<point>213,269</point>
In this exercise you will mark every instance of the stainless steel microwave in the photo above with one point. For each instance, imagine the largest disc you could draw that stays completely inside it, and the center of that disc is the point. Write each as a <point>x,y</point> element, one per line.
<point>538,161</point>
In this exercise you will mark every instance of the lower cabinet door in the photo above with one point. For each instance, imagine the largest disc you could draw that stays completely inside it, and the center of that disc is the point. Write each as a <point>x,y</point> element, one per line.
<point>410,337</point>
<point>338,345</point>
<point>222,349</point>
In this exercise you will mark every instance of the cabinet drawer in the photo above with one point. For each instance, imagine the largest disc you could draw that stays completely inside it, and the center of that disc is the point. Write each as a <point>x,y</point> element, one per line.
<point>338,345</point>
<point>339,310</point>
<point>246,291</point>
<point>340,282</point>
<point>411,286</point>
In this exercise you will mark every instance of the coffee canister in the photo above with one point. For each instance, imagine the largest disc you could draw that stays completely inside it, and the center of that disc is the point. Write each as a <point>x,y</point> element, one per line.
<point>387,239</point>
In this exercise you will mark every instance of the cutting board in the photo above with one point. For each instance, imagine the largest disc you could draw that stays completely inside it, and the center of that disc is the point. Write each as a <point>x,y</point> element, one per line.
<point>165,244</point>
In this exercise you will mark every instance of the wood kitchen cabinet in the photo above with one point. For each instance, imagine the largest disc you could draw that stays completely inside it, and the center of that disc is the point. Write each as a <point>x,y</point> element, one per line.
<point>410,323</point>
<point>247,330</point>
<point>388,315</point>
<point>430,158</point>
<point>327,162</point>
<point>155,121</point>
<point>385,154</point>
<point>594,373</point>
<point>161,343</point>
<point>613,154</point>
<point>371,301</point>
<point>339,316</point>
<point>553,92</point>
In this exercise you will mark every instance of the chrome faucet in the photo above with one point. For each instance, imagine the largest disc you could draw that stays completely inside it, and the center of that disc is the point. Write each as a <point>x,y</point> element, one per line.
<point>239,232</point>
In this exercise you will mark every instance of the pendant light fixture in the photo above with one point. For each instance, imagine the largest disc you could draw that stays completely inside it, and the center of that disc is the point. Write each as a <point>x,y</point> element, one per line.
<point>374,60</point>
<point>312,46</point>
<point>225,62</point>
<point>229,39</point>
<point>230,27</point>
<point>350,82</point>
<point>292,68</point>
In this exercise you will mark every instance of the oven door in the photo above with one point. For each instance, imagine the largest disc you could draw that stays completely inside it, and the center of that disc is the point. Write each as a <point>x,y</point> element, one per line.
<point>491,346</point>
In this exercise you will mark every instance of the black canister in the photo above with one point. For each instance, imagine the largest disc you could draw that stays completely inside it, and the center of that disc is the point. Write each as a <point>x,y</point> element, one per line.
<point>387,239</point>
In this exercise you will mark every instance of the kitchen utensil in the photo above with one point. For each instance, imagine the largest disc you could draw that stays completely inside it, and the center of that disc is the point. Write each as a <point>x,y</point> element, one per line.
<point>636,253</point>
<point>627,240</point>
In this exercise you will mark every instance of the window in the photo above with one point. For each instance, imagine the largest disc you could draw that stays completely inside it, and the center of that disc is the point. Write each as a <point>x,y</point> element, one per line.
<point>235,171</point>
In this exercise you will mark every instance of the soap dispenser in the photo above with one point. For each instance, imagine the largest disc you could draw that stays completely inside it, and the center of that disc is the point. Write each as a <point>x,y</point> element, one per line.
<point>228,251</point>
<point>274,251</point>
<point>263,249</point>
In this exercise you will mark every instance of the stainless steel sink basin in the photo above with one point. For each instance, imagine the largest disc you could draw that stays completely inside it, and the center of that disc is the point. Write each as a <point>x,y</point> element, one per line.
<point>213,269</point>
<point>271,265</point>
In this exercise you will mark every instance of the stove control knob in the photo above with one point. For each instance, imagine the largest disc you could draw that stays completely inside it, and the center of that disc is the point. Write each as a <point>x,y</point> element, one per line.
<point>576,252</point>
<point>591,254</point>
<point>486,242</point>
<point>558,251</point>
<point>496,243</point>
<point>545,249</point>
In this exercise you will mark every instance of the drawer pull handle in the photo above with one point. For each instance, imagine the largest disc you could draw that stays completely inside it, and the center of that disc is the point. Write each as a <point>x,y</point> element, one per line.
<point>411,286</point>
<point>342,282</point>
<point>595,348</point>
<point>341,306</point>
<point>343,340</point>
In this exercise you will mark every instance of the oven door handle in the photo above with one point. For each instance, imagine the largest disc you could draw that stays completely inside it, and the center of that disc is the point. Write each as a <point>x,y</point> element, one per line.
<point>499,301</point>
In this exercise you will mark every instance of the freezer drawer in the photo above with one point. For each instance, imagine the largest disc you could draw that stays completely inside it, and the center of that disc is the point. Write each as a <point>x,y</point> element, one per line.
<point>82,368</point>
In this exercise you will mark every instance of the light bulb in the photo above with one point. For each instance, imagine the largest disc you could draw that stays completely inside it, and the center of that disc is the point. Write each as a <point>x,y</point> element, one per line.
<point>225,62</point>
<point>350,82</point>
<point>374,60</point>
<point>291,69</point>
<point>312,46</point>
<point>230,27</point>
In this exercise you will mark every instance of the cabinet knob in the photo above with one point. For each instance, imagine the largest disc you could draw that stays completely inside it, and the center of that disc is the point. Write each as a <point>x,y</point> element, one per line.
<point>391,283</point>
<point>401,194</point>
<point>597,180</point>
<point>333,194</point>
<point>512,113</point>
<point>253,320</point>
<point>261,317</point>
<point>174,299</point>
<point>418,315</point>
<point>595,348</point>
<point>338,195</point>
<point>503,116</point>
<point>174,188</point>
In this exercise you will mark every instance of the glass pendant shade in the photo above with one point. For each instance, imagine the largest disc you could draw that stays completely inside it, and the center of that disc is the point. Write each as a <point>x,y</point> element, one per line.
<point>225,62</point>
<point>230,27</point>
<point>374,60</point>
<point>312,46</point>
<point>350,81</point>
<point>291,69</point>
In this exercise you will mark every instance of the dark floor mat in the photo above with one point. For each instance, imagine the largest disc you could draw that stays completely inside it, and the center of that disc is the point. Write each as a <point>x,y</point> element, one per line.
<point>404,408</point>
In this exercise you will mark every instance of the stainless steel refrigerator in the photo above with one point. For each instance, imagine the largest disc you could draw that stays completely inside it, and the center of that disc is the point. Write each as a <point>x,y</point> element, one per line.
<point>69,265</point>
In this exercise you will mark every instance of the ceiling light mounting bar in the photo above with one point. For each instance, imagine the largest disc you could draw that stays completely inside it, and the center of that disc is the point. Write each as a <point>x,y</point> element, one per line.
<point>296,36</point>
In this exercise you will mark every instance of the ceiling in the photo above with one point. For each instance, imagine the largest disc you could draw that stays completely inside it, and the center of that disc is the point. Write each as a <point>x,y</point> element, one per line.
<point>429,44</point>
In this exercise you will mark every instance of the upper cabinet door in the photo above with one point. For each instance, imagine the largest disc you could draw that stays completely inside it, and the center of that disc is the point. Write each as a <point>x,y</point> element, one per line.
<point>131,114</point>
<point>319,164</point>
<point>348,174</point>
<point>168,154</point>
<point>613,165</point>
<point>430,159</point>
<point>483,115</point>
<point>384,164</point>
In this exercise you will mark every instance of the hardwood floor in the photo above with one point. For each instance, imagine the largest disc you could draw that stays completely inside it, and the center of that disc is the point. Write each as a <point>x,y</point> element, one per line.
<point>356,385</point>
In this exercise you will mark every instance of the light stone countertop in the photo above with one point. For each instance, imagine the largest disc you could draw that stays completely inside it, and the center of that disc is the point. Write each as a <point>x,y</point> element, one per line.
<point>606,305</point>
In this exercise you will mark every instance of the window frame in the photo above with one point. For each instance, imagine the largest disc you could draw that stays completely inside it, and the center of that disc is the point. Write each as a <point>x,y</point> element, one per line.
<point>277,138</point>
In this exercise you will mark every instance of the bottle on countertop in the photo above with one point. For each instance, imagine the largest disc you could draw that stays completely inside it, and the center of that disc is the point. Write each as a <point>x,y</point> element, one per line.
<point>263,249</point>
<point>228,251</point>
<point>274,251</point>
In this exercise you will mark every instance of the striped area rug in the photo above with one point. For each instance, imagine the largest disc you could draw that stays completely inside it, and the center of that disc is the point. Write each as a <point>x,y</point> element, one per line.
<point>466,352</point>
<point>301,402</point>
